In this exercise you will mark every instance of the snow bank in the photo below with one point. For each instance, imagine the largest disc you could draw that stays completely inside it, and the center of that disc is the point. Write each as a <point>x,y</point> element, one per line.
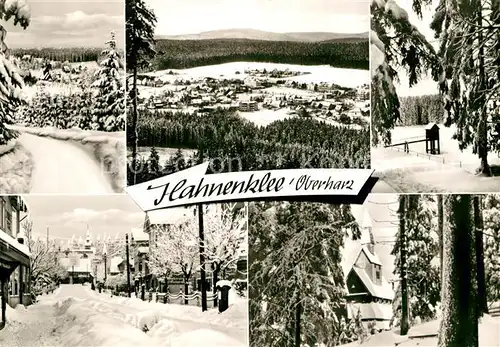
<point>210,338</point>
<point>88,327</point>
<point>108,149</point>
<point>16,168</point>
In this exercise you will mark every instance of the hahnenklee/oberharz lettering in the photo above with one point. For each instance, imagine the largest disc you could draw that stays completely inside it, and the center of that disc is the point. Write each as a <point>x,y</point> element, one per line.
<point>194,186</point>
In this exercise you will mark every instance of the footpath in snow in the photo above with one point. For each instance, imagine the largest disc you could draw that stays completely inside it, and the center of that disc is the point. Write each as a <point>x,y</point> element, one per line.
<point>74,315</point>
<point>62,167</point>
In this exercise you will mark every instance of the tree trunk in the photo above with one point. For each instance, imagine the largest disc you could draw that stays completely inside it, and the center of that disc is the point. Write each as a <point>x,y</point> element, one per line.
<point>186,289</point>
<point>166,284</point>
<point>459,325</point>
<point>440,237</point>
<point>134,135</point>
<point>482,129</point>
<point>481,280</point>
<point>215,279</point>
<point>404,327</point>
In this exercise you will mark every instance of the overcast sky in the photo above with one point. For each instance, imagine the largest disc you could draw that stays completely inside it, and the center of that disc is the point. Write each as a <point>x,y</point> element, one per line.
<point>69,23</point>
<point>426,85</point>
<point>68,215</point>
<point>195,16</point>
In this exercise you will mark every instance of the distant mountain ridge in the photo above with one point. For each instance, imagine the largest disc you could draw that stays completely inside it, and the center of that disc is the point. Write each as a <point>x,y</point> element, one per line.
<point>253,34</point>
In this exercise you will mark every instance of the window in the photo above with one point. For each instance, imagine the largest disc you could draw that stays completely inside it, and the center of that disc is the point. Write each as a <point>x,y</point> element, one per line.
<point>8,223</point>
<point>377,275</point>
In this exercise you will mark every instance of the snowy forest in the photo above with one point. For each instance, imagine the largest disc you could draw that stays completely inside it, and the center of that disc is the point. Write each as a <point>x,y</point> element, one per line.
<point>461,58</point>
<point>446,267</point>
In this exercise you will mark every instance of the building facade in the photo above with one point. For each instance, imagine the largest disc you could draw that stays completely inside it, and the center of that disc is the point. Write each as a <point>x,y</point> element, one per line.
<point>78,260</point>
<point>14,254</point>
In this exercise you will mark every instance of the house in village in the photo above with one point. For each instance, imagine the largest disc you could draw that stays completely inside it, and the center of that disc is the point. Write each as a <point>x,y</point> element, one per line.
<point>14,255</point>
<point>369,293</point>
<point>139,243</point>
<point>78,259</point>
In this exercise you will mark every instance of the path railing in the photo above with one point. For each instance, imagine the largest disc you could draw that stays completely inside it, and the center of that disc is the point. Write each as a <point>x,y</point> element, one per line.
<point>434,158</point>
<point>180,298</point>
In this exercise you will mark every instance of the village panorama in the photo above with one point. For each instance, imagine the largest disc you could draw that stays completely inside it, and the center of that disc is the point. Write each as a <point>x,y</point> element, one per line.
<point>261,99</point>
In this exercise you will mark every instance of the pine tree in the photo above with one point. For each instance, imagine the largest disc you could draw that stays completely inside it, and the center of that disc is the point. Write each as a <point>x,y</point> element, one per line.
<point>110,102</point>
<point>295,253</point>
<point>459,325</point>
<point>420,243</point>
<point>140,30</point>
<point>11,82</point>
<point>469,76</point>
<point>154,169</point>
<point>491,213</point>
<point>395,43</point>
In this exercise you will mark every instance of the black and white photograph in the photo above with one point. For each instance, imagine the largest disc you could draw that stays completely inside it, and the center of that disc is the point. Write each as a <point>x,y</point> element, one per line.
<point>97,271</point>
<point>435,96</point>
<point>248,85</point>
<point>399,270</point>
<point>62,118</point>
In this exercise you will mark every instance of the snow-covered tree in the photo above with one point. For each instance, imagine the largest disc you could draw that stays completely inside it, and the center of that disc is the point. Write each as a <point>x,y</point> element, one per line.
<point>110,101</point>
<point>470,73</point>
<point>395,44</point>
<point>11,83</point>
<point>422,268</point>
<point>44,261</point>
<point>179,244</point>
<point>160,263</point>
<point>296,280</point>
<point>140,30</point>
<point>491,214</point>
<point>225,234</point>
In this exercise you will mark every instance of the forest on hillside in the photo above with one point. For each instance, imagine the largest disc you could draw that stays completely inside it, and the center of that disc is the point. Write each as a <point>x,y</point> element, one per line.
<point>234,141</point>
<point>182,54</point>
<point>73,55</point>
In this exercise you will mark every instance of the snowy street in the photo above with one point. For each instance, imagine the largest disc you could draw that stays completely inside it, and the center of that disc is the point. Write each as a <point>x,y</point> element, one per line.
<point>62,167</point>
<point>74,315</point>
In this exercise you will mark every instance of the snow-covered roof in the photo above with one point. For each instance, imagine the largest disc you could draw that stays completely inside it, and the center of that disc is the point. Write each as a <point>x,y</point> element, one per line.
<point>142,250</point>
<point>170,216</point>
<point>138,234</point>
<point>373,258</point>
<point>113,266</point>
<point>383,291</point>
<point>14,244</point>
<point>370,311</point>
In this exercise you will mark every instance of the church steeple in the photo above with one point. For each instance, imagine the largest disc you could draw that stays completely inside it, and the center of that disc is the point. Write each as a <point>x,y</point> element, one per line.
<point>88,239</point>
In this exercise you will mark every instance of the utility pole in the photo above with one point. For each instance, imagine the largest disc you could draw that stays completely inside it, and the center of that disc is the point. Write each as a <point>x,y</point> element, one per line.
<point>128,265</point>
<point>202,260</point>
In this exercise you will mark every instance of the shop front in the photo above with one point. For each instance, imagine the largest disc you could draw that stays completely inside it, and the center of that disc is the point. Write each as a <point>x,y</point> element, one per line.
<point>14,274</point>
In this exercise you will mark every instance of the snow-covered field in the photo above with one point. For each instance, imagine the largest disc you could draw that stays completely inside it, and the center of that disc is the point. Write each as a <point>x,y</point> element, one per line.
<point>318,73</point>
<point>77,316</point>
<point>452,170</point>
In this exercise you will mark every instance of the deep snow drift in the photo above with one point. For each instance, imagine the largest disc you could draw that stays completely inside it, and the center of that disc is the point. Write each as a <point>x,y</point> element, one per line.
<point>77,316</point>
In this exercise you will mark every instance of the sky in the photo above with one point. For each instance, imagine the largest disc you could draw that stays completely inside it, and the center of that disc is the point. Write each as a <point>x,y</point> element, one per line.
<point>426,85</point>
<point>69,215</point>
<point>195,16</point>
<point>69,23</point>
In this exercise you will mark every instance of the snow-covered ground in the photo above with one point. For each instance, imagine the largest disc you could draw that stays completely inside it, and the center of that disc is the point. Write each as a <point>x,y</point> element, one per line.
<point>425,335</point>
<point>452,170</point>
<point>63,167</point>
<point>74,315</point>
<point>318,73</point>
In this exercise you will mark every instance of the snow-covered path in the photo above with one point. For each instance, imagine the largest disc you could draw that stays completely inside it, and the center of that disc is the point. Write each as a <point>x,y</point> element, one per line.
<point>78,316</point>
<point>62,167</point>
